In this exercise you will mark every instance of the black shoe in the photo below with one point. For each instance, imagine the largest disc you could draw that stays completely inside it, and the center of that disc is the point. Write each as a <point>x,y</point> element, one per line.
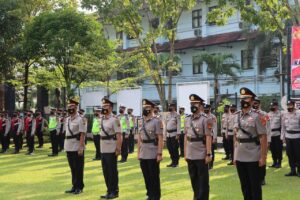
<point>174,165</point>
<point>292,173</point>
<point>77,191</point>
<point>39,147</point>
<point>96,158</point>
<point>278,166</point>
<point>3,151</point>
<point>122,161</point>
<point>112,196</point>
<point>170,165</point>
<point>70,191</point>
<point>273,165</point>
<point>16,152</point>
<point>231,163</point>
<point>298,174</point>
<point>29,153</point>
<point>226,158</point>
<point>52,155</point>
<point>104,196</point>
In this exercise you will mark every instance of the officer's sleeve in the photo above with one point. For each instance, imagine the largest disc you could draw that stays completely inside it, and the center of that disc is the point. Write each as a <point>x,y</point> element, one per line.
<point>208,126</point>
<point>117,126</point>
<point>33,127</point>
<point>82,125</point>
<point>159,127</point>
<point>8,125</point>
<point>215,127</point>
<point>236,123</point>
<point>260,124</point>
<point>20,125</point>
<point>178,122</point>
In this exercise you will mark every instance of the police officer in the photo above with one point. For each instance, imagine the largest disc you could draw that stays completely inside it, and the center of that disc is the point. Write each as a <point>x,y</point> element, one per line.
<point>250,146</point>
<point>125,127</point>
<point>40,124</point>
<point>150,146</point>
<point>5,129</point>
<point>16,127</point>
<point>61,131</point>
<point>132,126</point>
<point>224,120</point>
<point>291,136</point>
<point>53,127</point>
<point>76,128</point>
<point>181,137</point>
<point>198,140</point>
<point>257,108</point>
<point>111,141</point>
<point>29,130</point>
<point>213,118</point>
<point>173,132</point>
<point>276,144</point>
<point>229,131</point>
<point>96,133</point>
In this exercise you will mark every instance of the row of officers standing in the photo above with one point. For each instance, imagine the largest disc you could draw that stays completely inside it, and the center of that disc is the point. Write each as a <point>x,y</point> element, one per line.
<point>246,135</point>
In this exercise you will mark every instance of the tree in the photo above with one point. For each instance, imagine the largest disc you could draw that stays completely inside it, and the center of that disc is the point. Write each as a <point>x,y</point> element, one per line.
<point>162,18</point>
<point>218,64</point>
<point>58,36</point>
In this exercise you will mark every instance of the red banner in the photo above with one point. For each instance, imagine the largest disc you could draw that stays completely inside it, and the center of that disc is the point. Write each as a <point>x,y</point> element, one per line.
<point>295,61</point>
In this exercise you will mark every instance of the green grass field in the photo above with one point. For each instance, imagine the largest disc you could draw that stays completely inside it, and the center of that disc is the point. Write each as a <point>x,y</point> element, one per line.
<point>40,177</point>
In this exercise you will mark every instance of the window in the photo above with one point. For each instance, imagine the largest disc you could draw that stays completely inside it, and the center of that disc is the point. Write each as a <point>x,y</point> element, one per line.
<point>197,18</point>
<point>246,59</point>
<point>209,10</point>
<point>197,66</point>
<point>274,57</point>
<point>119,35</point>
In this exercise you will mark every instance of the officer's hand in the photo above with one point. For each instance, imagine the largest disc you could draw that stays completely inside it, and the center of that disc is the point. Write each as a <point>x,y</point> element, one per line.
<point>159,158</point>
<point>208,159</point>
<point>126,136</point>
<point>215,141</point>
<point>118,151</point>
<point>177,137</point>
<point>138,155</point>
<point>226,136</point>
<point>80,152</point>
<point>262,162</point>
<point>234,162</point>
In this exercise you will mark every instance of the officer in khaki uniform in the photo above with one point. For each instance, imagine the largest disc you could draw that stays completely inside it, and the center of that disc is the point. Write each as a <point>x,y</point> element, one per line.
<point>76,128</point>
<point>224,120</point>
<point>250,148</point>
<point>125,129</point>
<point>276,144</point>
<point>198,140</point>
<point>229,131</point>
<point>181,137</point>
<point>173,132</point>
<point>213,118</point>
<point>132,126</point>
<point>4,131</point>
<point>291,136</point>
<point>96,133</point>
<point>150,146</point>
<point>110,142</point>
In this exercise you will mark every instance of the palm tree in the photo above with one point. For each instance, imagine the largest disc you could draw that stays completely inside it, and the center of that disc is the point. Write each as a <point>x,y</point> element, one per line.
<point>218,65</point>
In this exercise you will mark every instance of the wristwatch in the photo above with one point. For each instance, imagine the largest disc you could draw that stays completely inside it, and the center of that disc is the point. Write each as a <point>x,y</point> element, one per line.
<point>208,154</point>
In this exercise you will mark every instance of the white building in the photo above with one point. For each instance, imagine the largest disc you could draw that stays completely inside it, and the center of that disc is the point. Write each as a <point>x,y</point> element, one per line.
<point>195,35</point>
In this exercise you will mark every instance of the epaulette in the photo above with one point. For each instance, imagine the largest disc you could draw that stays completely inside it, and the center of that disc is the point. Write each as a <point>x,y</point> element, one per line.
<point>237,112</point>
<point>188,115</point>
<point>204,115</point>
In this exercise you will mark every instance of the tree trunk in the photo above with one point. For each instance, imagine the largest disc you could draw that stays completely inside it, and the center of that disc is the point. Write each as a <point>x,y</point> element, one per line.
<point>10,98</point>
<point>26,85</point>
<point>57,96</point>
<point>216,92</point>
<point>170,75</point>
<point>42,98</point>
<point>2,97</point>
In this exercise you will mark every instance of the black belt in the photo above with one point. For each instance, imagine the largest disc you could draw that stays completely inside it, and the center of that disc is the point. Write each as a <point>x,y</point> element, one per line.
<point>148,141</point>
<point>293,132</point>
<point>190,139</point>
<point>224,128</point>
<point>230,130</point>
<point>276,129</point>
<point>247,140</point>
<point>108,137</point>
<point>73,137</point>
<point>172,131</point>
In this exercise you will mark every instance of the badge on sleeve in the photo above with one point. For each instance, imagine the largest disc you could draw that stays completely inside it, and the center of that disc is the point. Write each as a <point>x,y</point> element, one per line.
<point>263,120</point>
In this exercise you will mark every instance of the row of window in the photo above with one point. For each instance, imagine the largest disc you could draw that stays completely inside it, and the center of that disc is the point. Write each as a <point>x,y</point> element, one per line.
<point>246,61</point>
<point>197,17</point>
